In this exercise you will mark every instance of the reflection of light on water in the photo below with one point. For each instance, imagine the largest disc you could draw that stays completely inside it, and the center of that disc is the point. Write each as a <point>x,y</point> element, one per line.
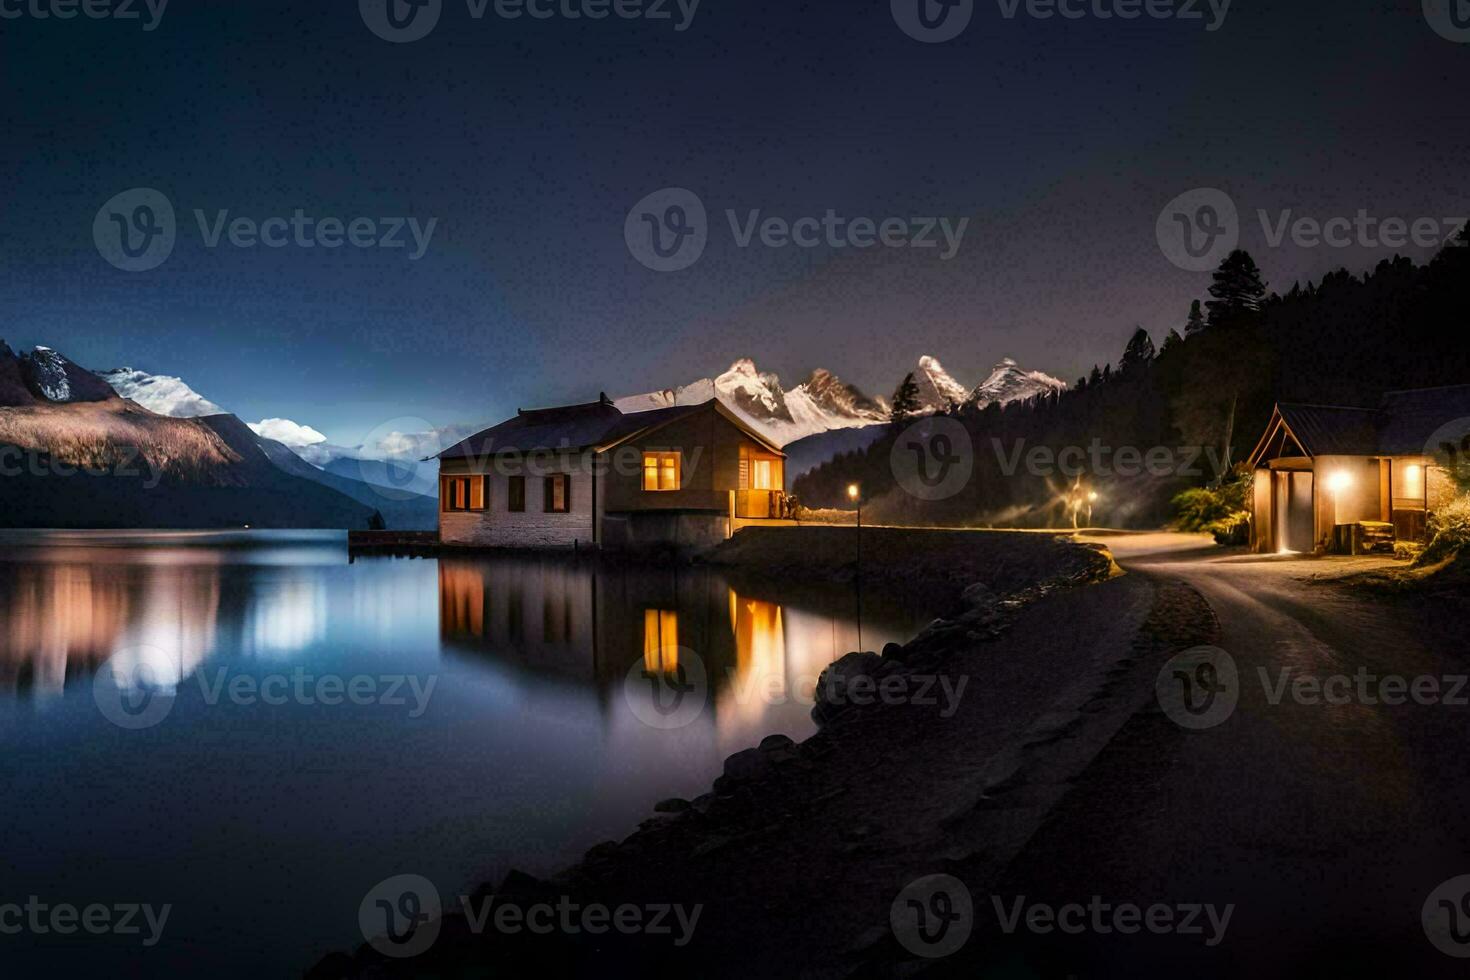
<point>660,641</point>
<point>285,616</point>
<point>760,663</point>
<point>175,626</point>
<point>61,615</point>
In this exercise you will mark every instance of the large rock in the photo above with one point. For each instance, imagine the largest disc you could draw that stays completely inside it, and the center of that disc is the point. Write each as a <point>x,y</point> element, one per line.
<point>834,687</point>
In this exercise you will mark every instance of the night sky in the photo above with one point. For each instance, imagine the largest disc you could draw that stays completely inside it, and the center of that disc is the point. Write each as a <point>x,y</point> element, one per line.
<point>530,140</point>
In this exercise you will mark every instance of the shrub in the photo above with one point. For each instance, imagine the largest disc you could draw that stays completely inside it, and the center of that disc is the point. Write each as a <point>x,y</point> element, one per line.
<point>1449,531</point>
<point>1220,510</point>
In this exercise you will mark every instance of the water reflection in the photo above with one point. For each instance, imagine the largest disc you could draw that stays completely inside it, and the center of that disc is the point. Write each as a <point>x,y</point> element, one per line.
<point>760,657</point>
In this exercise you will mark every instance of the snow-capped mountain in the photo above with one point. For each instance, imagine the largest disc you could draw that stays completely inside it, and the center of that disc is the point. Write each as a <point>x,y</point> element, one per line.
<point>44,375</point>
<point>1008,383</point>
<point>160,393</point>
<point>937,390</point>
<point>820,403</point>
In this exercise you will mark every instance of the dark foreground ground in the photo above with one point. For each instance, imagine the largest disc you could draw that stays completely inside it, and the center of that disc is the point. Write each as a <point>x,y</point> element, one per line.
<point>1046,774</point>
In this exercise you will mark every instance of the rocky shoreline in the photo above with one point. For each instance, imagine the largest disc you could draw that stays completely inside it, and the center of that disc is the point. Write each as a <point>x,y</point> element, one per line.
<point>882,716</point>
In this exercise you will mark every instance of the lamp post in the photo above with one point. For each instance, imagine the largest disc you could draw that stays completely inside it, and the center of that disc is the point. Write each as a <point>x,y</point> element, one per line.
<point>855,494</point>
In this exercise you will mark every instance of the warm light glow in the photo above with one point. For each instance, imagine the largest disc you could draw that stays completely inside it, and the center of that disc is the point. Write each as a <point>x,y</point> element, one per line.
<point>1092,496</point>
<point>1339,481</point>
<point>660,641</point>
<point>1413,482</point>
<point>852,491</point>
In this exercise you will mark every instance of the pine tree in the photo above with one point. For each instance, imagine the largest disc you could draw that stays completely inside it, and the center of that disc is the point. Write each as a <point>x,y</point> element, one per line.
<point>905,400</point>
<point>376,522</point>
<point>1139,353</point>
<point>1171,342</point>
<point>1196,322</point>
<point>1096,377</point>
<point>1237,289</point>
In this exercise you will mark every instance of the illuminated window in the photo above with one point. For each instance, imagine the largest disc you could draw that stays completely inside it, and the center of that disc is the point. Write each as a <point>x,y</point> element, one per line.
<point>458,493</point>
<point>660,640</point>
<point>558,489</point>
<point>660,471</point>
<point>760,475</point>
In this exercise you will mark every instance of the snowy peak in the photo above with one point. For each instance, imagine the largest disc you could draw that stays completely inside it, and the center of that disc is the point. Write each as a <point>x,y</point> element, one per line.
<point>937,390</point>
<point>757,394</point>
<point>52,377</point>
<point>1009,383</point>
<point>161,394</point>
<point>837,398</point>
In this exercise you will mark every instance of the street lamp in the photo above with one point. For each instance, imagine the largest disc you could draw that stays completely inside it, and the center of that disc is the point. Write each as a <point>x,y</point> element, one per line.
<point>855,494</point>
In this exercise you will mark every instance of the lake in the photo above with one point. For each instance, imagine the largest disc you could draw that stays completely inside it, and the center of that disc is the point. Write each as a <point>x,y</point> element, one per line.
<point>254,730</point>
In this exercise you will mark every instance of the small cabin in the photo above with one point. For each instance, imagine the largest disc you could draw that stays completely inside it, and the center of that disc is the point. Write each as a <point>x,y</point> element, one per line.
<point>1331,478</point>
<point>592,476</point>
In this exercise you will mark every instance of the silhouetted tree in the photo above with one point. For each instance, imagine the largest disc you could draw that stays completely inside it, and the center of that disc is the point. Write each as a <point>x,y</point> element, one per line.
<point>1139,353</point>
<point>1237,289</point>
<point>1196,321</point>
<point>1096,378</point>
<point>376,522</point>
<point>905,400</point>
<point>1171,343</point>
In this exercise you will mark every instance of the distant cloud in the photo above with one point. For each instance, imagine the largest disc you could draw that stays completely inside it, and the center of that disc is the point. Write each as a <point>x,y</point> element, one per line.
<point>416,445</point>
<point>293,434</point>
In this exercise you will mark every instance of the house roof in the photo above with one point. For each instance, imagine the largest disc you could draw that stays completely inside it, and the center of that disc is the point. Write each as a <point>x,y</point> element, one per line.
<point>596,425</point>
<point>1403,425</point>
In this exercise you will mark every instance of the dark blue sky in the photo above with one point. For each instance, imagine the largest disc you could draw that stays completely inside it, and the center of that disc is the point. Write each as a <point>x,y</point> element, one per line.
<point>1060,140</point>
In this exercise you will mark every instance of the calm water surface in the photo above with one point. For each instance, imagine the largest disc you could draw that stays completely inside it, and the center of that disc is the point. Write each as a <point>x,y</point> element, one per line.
<point>254,730</point>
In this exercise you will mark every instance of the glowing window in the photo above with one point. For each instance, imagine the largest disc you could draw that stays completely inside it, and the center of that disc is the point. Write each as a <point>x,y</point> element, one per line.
<point>661,471</point>
<point>1413,485</point>
<point>760,475</point>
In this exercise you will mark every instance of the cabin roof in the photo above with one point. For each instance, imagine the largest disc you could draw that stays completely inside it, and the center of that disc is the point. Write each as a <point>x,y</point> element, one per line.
<point>596,425</point>
<point>1404,424</point>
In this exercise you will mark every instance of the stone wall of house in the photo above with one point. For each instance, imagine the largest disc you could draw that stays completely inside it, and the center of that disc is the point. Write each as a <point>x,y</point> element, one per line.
<point>499,527</point>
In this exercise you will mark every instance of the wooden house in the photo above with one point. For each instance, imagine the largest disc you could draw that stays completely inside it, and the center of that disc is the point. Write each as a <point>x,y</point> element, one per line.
<point>590,476</point>
<point>1349,479</point>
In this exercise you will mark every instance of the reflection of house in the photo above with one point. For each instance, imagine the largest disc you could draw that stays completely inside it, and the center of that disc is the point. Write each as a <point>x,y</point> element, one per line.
<point>590,475</point>
<point>1340,478</point>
